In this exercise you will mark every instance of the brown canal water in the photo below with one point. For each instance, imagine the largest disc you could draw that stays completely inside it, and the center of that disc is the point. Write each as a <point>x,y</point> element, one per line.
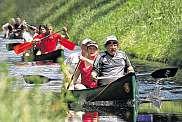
<point>168,108</point>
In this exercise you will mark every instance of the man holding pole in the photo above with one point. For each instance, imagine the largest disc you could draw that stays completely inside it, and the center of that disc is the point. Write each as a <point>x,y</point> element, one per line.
<point>111,63</point>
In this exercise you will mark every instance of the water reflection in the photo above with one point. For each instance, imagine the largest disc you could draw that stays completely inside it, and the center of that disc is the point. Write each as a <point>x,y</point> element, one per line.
<point>170,111</point>
<point>102,114</point>
<point>159,118</point>
<point>120,115</point>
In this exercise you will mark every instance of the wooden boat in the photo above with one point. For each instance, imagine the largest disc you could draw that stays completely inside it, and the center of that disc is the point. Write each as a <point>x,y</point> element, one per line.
<point>123,89</point>
<point>117,90</point>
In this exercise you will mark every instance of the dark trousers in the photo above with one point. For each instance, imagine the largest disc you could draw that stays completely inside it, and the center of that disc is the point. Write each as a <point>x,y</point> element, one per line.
<point>53,56</point>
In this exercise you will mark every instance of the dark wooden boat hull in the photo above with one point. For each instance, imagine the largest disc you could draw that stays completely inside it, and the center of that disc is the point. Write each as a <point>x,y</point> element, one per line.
<point>115,91</point>
<point>111,92</point>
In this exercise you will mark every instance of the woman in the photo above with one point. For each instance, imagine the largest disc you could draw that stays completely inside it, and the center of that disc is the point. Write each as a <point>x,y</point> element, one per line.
<point>48,45</point>
<point>85,67</point>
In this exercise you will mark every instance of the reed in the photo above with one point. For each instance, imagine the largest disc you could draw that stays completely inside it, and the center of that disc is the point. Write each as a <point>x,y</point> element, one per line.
<point>30,105</point>
<point>166,107</point>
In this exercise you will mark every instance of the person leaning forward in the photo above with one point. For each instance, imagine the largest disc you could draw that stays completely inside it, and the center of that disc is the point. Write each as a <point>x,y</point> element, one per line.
<point>85,67</point>
<point>110,63</point>
<point>48,45</point>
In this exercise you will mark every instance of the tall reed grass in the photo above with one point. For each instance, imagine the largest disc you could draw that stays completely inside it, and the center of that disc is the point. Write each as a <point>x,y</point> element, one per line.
<point>30,105</point>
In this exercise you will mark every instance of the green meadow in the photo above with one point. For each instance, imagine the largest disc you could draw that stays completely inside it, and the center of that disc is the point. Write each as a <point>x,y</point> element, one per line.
<point>146,29</point>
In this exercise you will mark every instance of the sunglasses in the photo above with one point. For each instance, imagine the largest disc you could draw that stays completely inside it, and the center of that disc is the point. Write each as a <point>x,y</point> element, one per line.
<point>111,42</point>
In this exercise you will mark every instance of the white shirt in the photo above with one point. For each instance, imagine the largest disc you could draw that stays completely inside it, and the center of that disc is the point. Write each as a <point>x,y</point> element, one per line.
<point>72,61</point>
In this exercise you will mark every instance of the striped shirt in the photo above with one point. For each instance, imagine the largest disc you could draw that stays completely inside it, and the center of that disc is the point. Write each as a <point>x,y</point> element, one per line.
<point>108,66</point>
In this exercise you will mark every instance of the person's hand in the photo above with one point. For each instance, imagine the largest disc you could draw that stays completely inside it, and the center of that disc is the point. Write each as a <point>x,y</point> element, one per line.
<point>36,40</point>
<point>38,52</point>
<point>94,76</point>
<point>24,22</point>
<point>81,58</point>
<point>130,69</point>
<point>64,29</point>
<point>93,84</point>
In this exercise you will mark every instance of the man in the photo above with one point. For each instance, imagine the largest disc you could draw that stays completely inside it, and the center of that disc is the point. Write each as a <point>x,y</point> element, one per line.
<point>14,28</point>
<point>111,62</point>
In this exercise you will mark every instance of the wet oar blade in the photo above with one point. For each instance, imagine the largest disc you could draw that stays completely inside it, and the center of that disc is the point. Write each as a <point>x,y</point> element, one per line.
<point>68,44</point>
<point>164,73</point>
<point>22,47</point>
<point>160,73</point>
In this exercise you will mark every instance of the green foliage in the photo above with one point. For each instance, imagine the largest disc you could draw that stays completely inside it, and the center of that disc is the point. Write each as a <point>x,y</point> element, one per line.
<point>36,79</point>
<point>30,105</point>
<point>176,57</point>
<point>8,10</point>
<point>166,107</point>
<point>146,29</point>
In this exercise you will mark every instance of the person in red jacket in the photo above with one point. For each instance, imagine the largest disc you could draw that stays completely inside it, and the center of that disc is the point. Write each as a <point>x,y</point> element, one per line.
<point>85,67</point>
<point>48,45</point>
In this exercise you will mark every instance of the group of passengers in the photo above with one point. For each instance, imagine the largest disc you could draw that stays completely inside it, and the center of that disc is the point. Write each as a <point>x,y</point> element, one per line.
<point>49,44</point>
<point>90,64</point>
<point>14,28</point>
<point>46,43</point>
<point>17,28</point>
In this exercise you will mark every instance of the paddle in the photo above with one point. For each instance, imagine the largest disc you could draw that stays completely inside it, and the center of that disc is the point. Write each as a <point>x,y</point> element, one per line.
<point>18,49</point>
<point>73,74</point>
<point>155,96</point>
<point>160,73</point>
<point>37,79</point>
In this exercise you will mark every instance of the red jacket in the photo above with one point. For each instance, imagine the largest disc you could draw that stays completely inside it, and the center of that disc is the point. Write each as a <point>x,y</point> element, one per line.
<point>48,44</point>
<point>86,75</point>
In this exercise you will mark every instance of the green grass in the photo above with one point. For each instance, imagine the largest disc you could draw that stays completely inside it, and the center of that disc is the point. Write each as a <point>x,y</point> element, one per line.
<point>30,105</point>
<point>166,107</point>
<point>146,29</point>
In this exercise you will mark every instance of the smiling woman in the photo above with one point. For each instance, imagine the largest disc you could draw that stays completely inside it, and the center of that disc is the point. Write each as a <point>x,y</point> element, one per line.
<point>85,67</point>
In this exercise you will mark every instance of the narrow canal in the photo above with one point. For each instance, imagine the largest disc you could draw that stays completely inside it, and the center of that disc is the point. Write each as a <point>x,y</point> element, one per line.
<point>166,108</point>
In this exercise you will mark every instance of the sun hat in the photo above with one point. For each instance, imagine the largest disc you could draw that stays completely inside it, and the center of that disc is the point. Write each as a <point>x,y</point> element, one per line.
<point>92,43</point>
<point>111,38</point>
<point>85,41</point>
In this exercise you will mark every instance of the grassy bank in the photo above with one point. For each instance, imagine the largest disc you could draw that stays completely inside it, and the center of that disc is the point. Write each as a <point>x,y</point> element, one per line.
<point>166,107</point>
<point>147,29</point>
